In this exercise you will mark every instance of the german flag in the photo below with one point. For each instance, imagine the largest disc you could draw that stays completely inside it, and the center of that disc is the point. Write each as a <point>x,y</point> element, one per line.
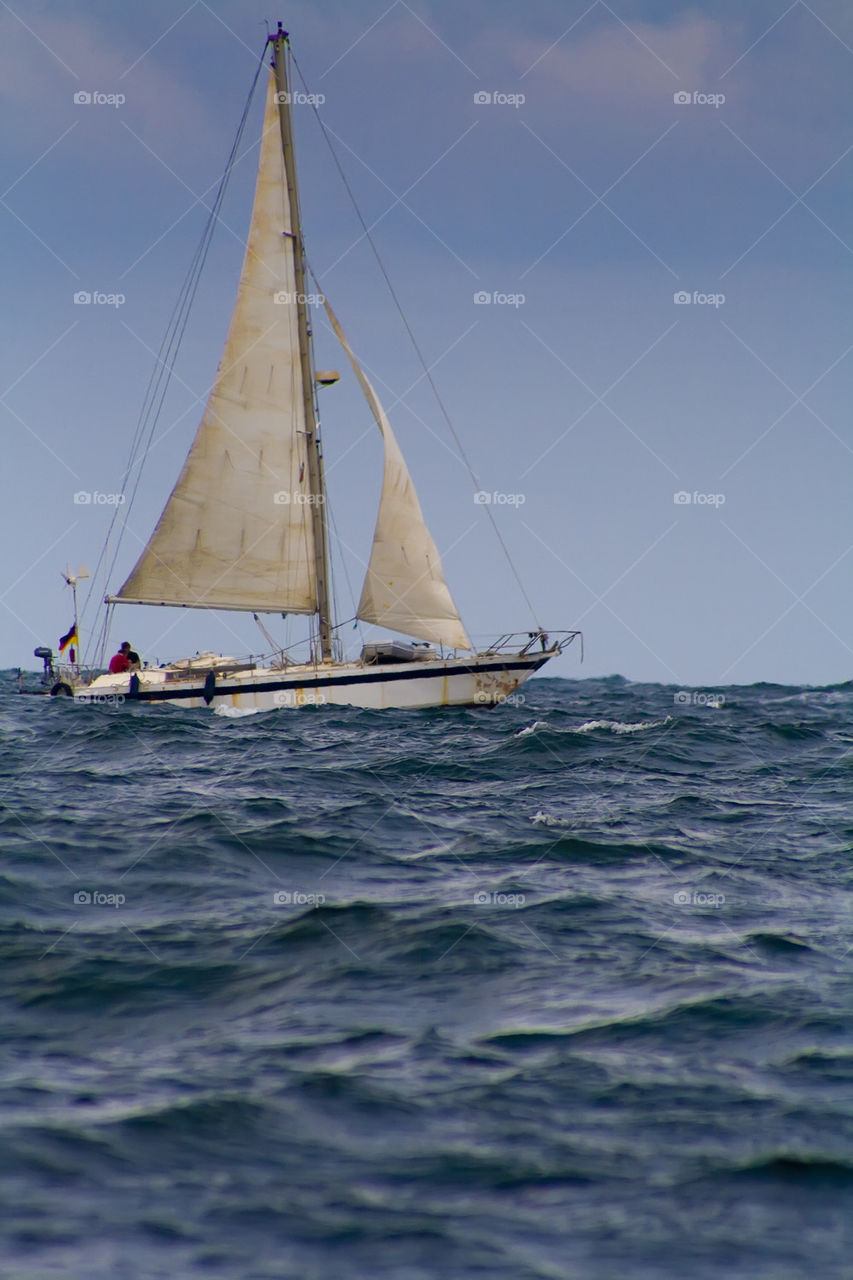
<point>70,637</point>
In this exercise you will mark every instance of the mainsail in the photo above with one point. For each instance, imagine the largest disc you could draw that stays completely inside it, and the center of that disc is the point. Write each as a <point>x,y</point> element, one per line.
<point>404,588</point>
<point>236,532</point>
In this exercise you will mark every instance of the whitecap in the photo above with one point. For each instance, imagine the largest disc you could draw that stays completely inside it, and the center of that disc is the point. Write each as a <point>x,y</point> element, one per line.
<point>617,726</point>
<point>236,713</point>
<point>542,819</point>
<point>531,728</point>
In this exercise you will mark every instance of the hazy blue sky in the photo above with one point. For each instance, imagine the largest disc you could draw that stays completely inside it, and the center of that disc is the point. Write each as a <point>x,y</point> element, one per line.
<point>598,198</point>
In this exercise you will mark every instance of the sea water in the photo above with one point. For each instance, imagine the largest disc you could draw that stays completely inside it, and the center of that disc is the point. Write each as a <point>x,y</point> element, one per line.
<point>555,989</point>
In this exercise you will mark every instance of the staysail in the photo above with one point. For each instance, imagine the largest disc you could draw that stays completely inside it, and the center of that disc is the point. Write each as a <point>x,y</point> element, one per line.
<point>236,532</point>
<point>404,588</point>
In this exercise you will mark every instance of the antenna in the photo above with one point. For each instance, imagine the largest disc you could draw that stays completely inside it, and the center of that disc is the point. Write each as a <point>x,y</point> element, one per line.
<point>71,579</point>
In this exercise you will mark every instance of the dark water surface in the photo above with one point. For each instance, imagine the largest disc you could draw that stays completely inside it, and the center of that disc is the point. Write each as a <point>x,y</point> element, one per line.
<point>559,989</point>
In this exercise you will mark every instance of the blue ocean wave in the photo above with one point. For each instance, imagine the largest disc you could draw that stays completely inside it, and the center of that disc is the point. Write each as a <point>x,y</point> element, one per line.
<point>556,988</point>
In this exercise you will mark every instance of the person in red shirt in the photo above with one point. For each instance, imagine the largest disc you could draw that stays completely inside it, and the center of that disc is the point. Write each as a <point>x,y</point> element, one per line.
<point>124,660</point>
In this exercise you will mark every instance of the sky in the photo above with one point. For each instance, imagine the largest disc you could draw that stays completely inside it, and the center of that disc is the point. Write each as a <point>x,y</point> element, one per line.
<point>654,198</point>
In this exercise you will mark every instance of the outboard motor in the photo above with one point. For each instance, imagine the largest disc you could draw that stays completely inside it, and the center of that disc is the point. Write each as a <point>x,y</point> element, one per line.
<point>46,656</point>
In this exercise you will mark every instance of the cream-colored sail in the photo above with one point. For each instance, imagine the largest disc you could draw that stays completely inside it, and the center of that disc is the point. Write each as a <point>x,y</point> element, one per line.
<point>404,588</point>
<point>236,532</point>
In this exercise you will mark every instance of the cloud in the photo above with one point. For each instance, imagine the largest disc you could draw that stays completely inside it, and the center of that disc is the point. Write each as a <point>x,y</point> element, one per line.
<point>613,68</point>
<point>43,64</point>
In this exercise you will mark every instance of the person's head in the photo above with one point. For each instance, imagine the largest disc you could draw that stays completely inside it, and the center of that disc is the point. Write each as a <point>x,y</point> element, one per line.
<point>125,646</point>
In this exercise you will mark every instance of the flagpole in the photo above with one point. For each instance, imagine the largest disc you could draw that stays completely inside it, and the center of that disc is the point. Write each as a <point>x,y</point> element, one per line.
<point>76,625</point>
<point>71,581</point>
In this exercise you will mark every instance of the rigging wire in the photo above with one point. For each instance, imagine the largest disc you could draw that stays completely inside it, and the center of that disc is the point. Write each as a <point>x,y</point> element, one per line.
<point>413,339</point>
<point>340,544</point>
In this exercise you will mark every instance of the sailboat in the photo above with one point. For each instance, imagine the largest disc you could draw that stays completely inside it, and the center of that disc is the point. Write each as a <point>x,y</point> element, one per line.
<point>246,525</point>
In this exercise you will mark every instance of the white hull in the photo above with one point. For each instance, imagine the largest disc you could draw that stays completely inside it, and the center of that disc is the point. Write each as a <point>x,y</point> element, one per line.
<point>482,680</point>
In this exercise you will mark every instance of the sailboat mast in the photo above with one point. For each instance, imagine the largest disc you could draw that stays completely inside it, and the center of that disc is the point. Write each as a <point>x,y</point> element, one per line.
<point>316,478</point>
